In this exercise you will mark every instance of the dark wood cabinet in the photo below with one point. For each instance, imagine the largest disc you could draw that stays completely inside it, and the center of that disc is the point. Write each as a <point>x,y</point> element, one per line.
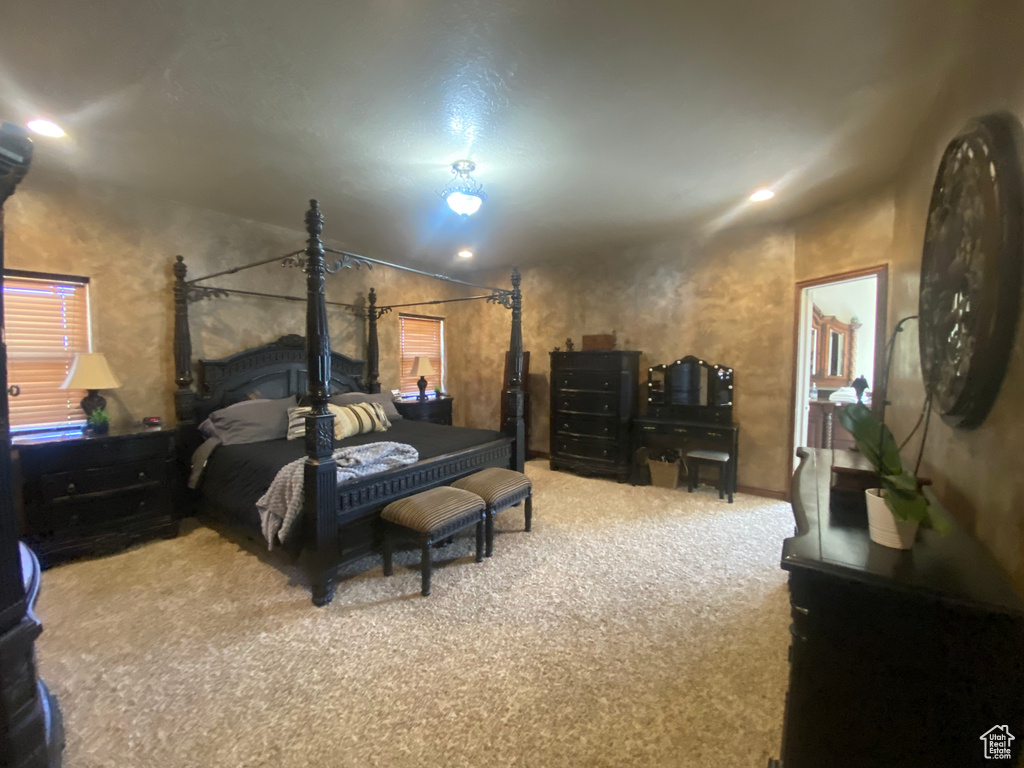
<point>594,397</point>
<point>434,409</point>
<point>90,495</point>
<point>897,658</point>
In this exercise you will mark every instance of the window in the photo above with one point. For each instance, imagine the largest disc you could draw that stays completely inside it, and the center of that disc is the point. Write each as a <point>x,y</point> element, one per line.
<point>46,321</point>
<point>421,336</point>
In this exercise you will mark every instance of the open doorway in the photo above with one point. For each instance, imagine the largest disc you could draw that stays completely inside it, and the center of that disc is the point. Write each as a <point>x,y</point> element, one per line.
<point>840,338</point>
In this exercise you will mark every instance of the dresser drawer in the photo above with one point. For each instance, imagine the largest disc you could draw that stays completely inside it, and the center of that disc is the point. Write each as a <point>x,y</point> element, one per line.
<point>598,403</point>
<point>586,427</point>
<point>588,448</point>
<point>94,452</point>
<point>74,485</point>
<point>592,381</point>
<point>97,512</point>
<point>587,361</point>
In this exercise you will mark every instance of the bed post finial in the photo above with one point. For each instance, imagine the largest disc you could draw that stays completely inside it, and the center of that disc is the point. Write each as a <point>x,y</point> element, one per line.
<point>515,398</point>
<point>184,397</point>
<point>372,345</point>
<point>319,474</point>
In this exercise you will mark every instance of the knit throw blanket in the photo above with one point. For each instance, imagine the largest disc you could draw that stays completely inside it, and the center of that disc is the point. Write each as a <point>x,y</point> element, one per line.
<point>280,506</point>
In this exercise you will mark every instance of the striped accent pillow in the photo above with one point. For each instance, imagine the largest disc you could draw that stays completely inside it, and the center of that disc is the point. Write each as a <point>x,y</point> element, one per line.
<point>356,419</point>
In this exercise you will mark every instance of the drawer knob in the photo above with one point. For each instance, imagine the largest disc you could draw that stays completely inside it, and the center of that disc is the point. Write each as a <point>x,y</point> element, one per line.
<point>565,427</point>
<point>565,383</point>
<point>142,475</point>
<point>71,488</point>
<point>606,430</point>
<point>142,505</point>
<point>604,452</point>
<point>607,407</point>
<point>607,385</point>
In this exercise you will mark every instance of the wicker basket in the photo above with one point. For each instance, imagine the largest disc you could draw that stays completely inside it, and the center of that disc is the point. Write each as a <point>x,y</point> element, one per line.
<point>664,474</point>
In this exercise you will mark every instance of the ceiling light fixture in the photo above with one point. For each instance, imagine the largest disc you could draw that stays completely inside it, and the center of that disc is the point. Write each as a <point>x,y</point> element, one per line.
<point>762,195</point>
<point>463,193</point>
<point>45,128</point>
<point>465,253</point>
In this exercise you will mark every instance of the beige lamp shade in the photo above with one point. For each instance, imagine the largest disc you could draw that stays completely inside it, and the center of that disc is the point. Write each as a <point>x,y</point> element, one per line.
<point>421,367</point>
<point>90,371</point>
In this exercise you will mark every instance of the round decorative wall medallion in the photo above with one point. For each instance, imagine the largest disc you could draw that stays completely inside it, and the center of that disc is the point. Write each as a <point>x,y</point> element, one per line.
<point>971,269</point>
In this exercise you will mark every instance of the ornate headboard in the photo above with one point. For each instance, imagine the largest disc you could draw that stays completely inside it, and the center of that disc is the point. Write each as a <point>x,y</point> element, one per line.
<point>274,370</point>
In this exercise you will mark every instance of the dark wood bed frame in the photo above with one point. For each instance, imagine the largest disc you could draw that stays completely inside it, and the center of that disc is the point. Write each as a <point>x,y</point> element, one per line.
<point>294,365</point>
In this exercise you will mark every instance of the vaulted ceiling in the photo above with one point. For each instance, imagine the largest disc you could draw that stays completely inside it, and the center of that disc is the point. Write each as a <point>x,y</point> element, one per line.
<point>593,124</point>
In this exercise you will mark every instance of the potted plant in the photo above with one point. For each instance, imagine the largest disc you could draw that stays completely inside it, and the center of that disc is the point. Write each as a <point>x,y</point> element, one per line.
<point>897,507</point>
<point>98,422</point>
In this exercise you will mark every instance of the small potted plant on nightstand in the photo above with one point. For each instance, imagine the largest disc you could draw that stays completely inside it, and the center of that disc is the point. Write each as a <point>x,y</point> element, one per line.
<point>98,422</point>
<point>897,507</point>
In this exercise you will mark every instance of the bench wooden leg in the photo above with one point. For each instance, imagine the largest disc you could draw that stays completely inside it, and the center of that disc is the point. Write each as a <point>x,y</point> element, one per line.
<point>387,546</point>
<point>480,536</point>
<point>529,512</point>
<point>426,566</point>
<point>489,532</point>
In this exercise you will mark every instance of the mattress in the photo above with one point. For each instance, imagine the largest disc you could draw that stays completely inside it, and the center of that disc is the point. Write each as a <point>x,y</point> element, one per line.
<point>237,475</point>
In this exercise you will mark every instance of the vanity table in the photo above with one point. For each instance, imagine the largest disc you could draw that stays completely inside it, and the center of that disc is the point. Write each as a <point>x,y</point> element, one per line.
<point>689,407</point>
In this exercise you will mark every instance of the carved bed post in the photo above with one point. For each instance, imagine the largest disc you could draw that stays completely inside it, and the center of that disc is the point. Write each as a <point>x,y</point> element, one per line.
<point>320,474</point>
<point>372,346</point>
<point>515,399</point>
<point>184,397</point>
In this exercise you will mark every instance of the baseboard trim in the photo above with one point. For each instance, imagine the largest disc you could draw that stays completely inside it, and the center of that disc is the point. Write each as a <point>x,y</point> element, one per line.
<point>753,491</point>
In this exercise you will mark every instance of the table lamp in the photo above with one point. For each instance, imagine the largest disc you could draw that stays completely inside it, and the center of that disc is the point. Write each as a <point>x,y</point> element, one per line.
<point>90,371</point>
<point>421,367</point>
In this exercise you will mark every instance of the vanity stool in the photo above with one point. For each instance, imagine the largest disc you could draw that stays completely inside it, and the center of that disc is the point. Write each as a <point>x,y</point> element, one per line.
<point>500,489</point>
<point>693,461</point>
<point>429,517</point>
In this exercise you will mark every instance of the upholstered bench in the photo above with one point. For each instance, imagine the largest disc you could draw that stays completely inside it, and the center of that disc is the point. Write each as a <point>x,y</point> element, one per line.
<point>500,489</point>
<point>720,458</point>
<point>428,517</point>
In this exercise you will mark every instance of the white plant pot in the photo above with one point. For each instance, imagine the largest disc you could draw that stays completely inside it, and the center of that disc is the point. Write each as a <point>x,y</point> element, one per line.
<point>883,526</point>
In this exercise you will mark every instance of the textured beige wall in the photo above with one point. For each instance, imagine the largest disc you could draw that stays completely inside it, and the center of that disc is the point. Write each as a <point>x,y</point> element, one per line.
<point>977,473</point>
<point>728,301</point>
<point>126,245</point>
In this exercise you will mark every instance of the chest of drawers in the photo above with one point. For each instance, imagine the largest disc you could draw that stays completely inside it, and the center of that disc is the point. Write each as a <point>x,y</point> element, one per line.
<point>94,495</point>
<point>594,396</point>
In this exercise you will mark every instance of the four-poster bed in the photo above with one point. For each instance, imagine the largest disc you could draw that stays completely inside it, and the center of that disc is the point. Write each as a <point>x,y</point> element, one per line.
<point>338,521</point>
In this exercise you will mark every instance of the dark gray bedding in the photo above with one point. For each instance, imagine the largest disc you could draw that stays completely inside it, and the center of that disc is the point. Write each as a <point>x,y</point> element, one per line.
<point>237,475</point>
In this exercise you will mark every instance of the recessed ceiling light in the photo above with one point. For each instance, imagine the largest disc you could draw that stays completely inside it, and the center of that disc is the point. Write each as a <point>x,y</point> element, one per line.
<point>45,128</point>
<point>465,253</point>
<point>761,195</point>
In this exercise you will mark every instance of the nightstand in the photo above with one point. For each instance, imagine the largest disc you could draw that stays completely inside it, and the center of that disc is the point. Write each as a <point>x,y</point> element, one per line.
<point>92,495</point>
<point>435,409</point>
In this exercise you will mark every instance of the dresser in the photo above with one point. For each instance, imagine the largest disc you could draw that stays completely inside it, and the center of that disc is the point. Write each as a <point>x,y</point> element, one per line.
<point>897,658</point>
<point>594,398</point>
<point>434,409</point>
<point>90,495</point>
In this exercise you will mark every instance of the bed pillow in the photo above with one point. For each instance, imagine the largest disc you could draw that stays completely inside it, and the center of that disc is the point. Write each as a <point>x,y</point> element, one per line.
<point>383,398</point>
<point>349,420</point>
<point>250,421</point>
<point>358,419</point>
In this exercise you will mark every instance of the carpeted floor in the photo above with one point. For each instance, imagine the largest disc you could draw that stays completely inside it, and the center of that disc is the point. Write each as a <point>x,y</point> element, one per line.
<point>632,627</point>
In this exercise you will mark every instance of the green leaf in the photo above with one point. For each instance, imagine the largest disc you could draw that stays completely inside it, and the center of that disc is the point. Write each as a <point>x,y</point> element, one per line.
<point>873,438</point>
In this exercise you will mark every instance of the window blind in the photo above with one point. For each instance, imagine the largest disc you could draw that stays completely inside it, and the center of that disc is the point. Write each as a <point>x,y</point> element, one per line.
<point>421,336</point>
<point>46,322</point>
